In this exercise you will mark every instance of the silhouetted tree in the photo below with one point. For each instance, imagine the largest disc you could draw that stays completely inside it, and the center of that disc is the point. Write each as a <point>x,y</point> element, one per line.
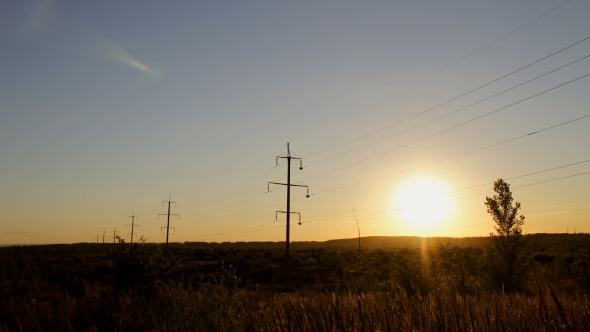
<point>505,262</point>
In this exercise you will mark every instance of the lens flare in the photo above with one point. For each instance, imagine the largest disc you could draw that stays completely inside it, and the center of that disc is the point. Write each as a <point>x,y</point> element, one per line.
<point>115,53</point>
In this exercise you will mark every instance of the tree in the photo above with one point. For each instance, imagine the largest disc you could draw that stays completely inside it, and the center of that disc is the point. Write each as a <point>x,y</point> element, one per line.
<point>505,263</point>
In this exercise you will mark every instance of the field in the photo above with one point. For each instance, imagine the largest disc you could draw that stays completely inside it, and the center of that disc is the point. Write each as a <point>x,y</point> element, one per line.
<point>430,285</point>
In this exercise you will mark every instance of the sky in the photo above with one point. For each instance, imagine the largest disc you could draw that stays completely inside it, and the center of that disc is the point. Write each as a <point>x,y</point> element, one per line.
<point>108,108</point>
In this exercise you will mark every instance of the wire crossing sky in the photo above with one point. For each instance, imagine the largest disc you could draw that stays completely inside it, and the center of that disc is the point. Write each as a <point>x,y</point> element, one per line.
<point>107,108</point>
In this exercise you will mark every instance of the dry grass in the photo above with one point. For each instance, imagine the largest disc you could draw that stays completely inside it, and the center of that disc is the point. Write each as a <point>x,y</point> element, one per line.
<point>213,308</point>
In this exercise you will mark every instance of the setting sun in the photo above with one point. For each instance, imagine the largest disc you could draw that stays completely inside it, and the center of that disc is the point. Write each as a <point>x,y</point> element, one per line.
<point>425,205</point>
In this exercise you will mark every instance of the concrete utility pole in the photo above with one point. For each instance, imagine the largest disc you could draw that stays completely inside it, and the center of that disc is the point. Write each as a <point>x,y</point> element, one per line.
<point>168,214</point>
<point>133,217</point>
<point>288,212</point>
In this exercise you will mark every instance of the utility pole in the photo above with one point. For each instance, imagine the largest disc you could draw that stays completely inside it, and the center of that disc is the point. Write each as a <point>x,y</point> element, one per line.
<point>359,231</point>
<point>115,235</point>
<point>288,212</point>
<point>103,237</point>
<point>133,217</point>
<point>168,214</point>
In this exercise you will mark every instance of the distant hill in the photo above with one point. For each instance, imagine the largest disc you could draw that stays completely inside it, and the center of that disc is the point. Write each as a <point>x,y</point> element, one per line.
<point>367,243</point>
<point>397,242</point>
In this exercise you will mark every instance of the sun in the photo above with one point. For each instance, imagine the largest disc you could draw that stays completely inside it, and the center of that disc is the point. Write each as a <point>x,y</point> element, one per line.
<point>425,205</point>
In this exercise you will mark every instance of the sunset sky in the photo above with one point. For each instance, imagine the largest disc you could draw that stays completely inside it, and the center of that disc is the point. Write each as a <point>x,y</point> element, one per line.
<point>108,107</point>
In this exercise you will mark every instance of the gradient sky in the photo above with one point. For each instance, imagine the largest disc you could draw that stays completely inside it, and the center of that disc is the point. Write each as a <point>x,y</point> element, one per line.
<point>108,107</point>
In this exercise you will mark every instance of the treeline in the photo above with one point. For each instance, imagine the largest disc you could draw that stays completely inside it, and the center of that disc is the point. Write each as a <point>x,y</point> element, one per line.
<point>395,242</point>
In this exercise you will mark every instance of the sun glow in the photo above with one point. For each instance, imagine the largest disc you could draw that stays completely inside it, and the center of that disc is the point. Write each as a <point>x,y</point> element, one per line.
<point>425,205</point>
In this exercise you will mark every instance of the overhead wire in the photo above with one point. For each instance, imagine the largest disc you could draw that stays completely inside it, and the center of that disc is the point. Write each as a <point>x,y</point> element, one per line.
<point>448,114</point>
<point>419,140</point>
<point>477,195</point>
<point>416,115</point>
<point>459,155</point>
<point>466,188</point>
<point>213,200</point>
<point>210,201</point>
<point>462,95</point>
<point>435,73</point>
<point>409,169</point>
<point>450,128</point>
<point>453,199</point>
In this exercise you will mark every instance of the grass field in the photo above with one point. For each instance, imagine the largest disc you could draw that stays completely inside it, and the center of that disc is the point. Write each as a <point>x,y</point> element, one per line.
<point>89,287</point>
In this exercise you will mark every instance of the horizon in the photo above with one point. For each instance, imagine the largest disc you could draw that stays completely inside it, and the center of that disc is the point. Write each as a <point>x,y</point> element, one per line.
<point>404,115</point>
<point>292,242</point>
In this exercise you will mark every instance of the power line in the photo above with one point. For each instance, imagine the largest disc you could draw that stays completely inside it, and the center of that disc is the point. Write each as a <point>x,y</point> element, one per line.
<point>239,213</point>
<point>240,231</point>
<point>481,194</point>
<point>214,199</point>
<point>450,128</point>
<point>226,206</point>
<point>446,102</point>
<point>462,189</point>
<point>459,155</point>
<point>435,73</point>
<point>210,201</point>
<point>414,168</point>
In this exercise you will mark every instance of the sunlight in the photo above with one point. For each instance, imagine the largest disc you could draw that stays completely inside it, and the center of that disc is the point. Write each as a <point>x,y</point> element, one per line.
<point>425,205</point>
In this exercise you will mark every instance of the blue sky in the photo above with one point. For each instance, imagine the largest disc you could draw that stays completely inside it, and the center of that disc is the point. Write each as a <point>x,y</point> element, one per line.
<point>108,107</point>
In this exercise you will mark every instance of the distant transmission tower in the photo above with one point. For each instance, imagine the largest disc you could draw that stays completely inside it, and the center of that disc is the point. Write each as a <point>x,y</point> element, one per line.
<point>103,237</point>
<point>288,212</point>
<point>168,214</point>
<point>115,235</point>
<point>133,217</point>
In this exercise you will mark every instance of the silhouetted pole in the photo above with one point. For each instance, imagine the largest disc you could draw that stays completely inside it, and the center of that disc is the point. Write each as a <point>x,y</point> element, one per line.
<point>359,231</point>
<point>168,214</point>
<point>103,236</point>
<point>288,212</point>
<point>133,217</point>
<point>114,235</point>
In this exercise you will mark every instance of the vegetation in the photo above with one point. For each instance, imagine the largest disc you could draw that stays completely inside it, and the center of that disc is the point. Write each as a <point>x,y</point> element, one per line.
<point>136,287</point>
<point>506,264</point>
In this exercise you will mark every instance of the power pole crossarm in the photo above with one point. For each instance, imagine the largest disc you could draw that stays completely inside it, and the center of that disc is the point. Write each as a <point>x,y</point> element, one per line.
<point>168,214</point>
<point>290,185</point>
<point>133,217</point>
<point>288,212</point>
